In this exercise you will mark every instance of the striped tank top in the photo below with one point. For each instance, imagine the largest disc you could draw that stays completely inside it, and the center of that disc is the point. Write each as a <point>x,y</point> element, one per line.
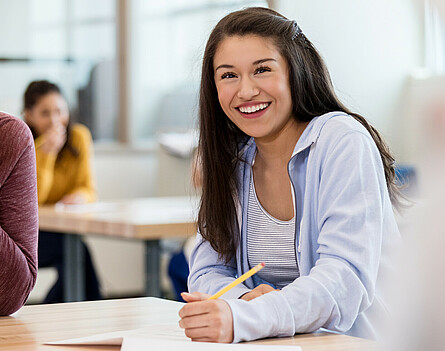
<point>271,241</point>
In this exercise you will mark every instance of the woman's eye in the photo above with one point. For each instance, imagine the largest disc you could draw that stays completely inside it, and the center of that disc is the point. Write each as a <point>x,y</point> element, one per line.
<point>228,75</point>
<point>262,70</point>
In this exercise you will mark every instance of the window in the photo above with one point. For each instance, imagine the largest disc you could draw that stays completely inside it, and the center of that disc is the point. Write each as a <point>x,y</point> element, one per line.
<point>77,44</point>
<point>434,39</point>
<point>59,40</point>
<point>168,42</point>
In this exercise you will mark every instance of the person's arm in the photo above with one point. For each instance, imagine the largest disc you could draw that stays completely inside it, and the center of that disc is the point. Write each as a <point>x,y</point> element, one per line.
<point>351,198</point>
<point>47,148</point>
<point>84,182</point>
<point>203,319</point>
<point>18,215</point>
<point>208,274</point>
<point>45,172</point>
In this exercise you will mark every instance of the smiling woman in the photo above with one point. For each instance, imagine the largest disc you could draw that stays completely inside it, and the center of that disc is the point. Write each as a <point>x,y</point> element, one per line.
<point>290,177</point>
<point>253,89</point>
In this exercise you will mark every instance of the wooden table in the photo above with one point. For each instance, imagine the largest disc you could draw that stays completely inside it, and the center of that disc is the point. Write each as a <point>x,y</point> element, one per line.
<point>147,219</point>
<point>33,325</point>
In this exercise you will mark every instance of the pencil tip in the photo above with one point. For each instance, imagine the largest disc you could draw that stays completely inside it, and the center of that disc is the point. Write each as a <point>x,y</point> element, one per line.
<point>263,264</point>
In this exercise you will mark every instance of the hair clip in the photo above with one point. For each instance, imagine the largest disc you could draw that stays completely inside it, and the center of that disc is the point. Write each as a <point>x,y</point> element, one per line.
<point>297,31</point>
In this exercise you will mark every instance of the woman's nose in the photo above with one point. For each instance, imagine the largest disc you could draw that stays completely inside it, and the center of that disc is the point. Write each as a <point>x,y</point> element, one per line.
<point>248,89</point>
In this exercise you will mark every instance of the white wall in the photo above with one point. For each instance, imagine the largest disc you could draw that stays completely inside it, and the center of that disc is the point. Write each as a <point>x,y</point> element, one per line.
<point>370,48</point>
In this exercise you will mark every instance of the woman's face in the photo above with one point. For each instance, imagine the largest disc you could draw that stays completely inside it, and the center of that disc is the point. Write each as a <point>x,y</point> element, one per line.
<point>251,78</point>
<point>50,111</point>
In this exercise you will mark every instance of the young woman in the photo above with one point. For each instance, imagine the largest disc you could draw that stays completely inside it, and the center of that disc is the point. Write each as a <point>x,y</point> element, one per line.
<point>291,177</point>
<point>63,155</point>
<point>18,214</point>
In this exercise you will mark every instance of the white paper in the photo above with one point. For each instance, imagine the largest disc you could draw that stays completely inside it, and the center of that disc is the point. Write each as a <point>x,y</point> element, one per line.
<point>85,208</point>
<point>114,338</point>
<point>155,331</point>
<point>138,343</point>
<point>165,337</point>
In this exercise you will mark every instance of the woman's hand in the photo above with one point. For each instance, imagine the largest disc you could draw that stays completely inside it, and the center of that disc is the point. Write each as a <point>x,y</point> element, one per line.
<point>258,291</point>
<point>206,320</point>
<point>53,140</point>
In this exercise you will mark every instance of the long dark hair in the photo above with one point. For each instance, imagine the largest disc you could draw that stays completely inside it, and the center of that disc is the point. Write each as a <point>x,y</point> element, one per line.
<point>33,93</point>
<point>312,95</point>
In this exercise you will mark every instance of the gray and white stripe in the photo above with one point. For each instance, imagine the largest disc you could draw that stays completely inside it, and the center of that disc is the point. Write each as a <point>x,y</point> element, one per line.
<point>271,241</point>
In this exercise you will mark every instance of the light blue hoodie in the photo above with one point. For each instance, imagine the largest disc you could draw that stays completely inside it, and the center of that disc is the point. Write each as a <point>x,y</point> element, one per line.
<point>345,236</point>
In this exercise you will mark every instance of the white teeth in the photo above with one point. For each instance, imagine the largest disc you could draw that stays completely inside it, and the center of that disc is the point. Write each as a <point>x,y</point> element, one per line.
<point>252,109</point>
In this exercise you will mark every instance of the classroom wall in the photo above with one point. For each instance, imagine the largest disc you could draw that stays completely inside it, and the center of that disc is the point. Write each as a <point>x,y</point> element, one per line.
<point>371,48</point>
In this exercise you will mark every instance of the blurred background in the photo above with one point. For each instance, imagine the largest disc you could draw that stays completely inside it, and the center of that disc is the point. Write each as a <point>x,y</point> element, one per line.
<point>130,70</point>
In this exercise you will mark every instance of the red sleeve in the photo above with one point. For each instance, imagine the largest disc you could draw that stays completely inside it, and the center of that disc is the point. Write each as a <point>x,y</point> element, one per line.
<point>18,214</point>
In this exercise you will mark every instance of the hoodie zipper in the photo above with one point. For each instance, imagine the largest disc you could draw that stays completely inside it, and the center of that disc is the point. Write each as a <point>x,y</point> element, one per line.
<point>297,248</point>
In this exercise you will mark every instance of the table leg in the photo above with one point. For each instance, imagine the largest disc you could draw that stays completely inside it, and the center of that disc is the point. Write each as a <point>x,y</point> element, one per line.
<point>74,266</point>
<point>152,268</point>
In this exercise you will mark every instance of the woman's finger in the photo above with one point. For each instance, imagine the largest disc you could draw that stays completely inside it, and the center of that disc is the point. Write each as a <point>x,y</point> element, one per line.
<point>197,333</point>
<point>205,339</point>
<point>251,295</point>
<point>195,308</point>
<point>195,296</point>
<point>198,321</point>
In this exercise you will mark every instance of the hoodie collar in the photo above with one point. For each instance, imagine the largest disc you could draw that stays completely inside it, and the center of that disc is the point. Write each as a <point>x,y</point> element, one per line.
<point>307,138</point>
<point>313,130</point>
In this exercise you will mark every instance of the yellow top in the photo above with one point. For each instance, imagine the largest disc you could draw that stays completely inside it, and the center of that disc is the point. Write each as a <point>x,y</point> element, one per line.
<point>71,174</point>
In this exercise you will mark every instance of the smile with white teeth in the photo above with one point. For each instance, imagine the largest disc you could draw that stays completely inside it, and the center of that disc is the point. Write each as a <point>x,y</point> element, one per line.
<point>252,109</point>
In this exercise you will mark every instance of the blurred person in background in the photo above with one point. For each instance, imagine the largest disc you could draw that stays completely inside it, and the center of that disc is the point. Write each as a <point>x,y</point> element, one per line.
<point>64,175</point>
<point>420,288</point>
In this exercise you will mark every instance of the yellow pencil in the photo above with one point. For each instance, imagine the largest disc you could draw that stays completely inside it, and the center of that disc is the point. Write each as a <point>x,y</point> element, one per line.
<point>238,281</point>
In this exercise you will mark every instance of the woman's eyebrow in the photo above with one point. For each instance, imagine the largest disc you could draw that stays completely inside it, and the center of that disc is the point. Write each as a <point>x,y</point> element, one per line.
<point>254,63</point>
<point>223,66</point>
<point>257,62</point>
